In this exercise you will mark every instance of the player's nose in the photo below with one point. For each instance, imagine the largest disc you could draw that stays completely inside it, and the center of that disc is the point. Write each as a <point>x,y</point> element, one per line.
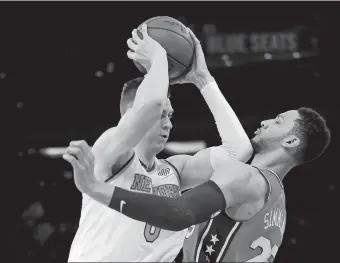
<point>264,124</point>
<point>167,125</point>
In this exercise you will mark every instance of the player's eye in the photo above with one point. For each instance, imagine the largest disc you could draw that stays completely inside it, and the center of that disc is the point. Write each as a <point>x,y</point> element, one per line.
<point>170,116</point>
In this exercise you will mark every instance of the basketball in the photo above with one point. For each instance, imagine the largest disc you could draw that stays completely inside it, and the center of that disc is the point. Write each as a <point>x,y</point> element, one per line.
<point>175,38</point>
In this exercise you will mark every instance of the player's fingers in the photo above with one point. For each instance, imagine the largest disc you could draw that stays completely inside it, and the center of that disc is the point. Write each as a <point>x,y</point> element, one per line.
<point>144,29</point>
<point>78,153</point>
<point>85,150</point>
<point>81,144</point>
<point>89,155</point>
<point>131,44</point>
<point>72,160</point>
<point>137,36</point>
<point>131,55</point>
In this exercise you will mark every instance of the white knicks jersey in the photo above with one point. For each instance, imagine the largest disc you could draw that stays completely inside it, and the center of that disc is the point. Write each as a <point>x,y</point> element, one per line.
<point>104,235</point>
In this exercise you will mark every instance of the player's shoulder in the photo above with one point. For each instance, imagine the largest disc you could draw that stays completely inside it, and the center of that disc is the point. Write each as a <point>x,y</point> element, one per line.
<point>238,175</point>
<point>178,161</point>
<point>254,180</point>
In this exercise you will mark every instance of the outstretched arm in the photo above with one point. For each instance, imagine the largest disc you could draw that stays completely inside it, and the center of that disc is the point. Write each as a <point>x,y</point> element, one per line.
<point>229,186</point>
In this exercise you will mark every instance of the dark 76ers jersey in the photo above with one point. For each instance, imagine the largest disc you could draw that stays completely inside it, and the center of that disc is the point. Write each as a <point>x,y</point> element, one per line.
<point>257,240</point>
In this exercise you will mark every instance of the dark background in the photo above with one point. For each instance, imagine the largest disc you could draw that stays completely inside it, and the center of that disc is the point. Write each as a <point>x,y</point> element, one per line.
<point>51,94</point>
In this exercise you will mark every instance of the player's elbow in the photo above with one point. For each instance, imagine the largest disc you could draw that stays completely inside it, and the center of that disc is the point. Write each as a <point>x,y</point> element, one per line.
<point>156,103</point>
<point>183,222</point>
<point>150,108</point>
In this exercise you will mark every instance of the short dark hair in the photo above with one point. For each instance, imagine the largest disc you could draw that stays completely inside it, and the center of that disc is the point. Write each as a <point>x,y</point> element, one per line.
<point>312,130</point>
<point>129,93</point>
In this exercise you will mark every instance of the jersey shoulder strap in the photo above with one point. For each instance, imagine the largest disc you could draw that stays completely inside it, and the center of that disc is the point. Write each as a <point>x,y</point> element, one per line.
<point>274,183</point>
<point>122,168</point>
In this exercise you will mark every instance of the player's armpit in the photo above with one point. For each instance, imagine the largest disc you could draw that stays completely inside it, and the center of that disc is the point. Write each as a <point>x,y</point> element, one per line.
<point>175,214</point>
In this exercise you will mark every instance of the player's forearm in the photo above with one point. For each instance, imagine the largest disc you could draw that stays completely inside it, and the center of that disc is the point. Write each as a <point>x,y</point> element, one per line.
<point>233,136</point>
<point>175,214</point>
<point>154,87</point>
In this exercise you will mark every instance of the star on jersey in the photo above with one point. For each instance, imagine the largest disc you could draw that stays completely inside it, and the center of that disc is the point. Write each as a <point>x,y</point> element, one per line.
<point>209,249</point>
<point>214,239</point>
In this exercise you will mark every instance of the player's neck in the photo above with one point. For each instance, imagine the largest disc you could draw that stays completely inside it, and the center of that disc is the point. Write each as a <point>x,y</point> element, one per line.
<point>274,161</point>
<point>145,154</point>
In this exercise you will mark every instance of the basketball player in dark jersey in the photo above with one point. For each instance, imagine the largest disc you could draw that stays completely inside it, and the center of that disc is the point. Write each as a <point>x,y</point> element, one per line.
<point>239,214</point>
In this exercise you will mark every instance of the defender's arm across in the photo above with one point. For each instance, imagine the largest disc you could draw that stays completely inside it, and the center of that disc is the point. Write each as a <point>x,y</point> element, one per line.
<point>236,184</point>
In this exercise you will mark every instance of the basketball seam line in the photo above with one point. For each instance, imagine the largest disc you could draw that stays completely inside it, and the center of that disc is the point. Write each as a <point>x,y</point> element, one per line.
<point>181,37</point>
<point>177,61</point>
<point>175,33</point>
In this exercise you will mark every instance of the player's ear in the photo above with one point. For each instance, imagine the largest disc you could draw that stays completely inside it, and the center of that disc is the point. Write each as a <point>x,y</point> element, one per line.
<point>291,141</point>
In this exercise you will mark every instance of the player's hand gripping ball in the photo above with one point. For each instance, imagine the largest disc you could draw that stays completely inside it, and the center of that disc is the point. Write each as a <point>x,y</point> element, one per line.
<point>143,49</point>
<point>175,38</point>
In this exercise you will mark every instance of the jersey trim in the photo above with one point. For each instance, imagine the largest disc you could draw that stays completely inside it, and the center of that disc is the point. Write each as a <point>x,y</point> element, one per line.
<point>277,176</point>
<point>146,168</point>
<point>205,231</point>
<point>121,169</point>
<point>226,244</point>
<point>269,184</point>
<point>269,194</point>
<point>226,215</point>
<point>173,166</point>
<point>228,241</point>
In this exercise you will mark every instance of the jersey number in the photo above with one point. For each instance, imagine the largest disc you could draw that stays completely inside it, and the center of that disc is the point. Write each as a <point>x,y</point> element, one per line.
<point>151,233</point>
<point>267,250</point>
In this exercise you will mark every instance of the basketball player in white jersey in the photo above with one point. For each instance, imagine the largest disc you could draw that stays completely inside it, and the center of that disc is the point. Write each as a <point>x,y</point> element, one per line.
<point>105,235</point>
<point>234,189</point>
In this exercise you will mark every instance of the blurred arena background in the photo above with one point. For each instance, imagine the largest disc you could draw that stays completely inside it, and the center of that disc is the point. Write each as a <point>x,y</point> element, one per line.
<point>62,67</point>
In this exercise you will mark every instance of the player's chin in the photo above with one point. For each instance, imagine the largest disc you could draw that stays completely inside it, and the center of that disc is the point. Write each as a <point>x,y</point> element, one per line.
<point>161,145</point>
<point>255,139</point>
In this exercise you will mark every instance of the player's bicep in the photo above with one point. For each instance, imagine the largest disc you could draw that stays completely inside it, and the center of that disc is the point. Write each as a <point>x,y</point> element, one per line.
<point>197,170</point>
<point>100,147</point>
<point>238,183</point>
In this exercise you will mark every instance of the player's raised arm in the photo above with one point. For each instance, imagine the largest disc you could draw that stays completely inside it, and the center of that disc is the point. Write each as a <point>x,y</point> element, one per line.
<point>148,103</point>
<point>234,184</point>
<point>234,138</point>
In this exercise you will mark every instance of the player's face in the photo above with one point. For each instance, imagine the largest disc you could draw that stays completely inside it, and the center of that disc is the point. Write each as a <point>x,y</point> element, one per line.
<point>159,134</point>
<point>273,132</point>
